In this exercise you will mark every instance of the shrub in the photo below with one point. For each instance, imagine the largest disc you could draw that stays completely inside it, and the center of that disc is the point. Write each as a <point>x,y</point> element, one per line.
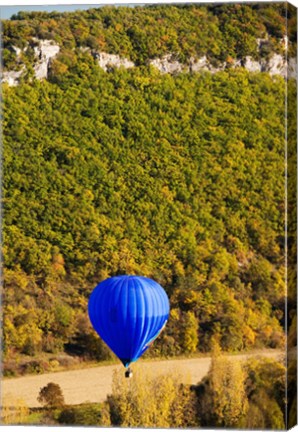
<point>14,411</point>
<point>85,414</point>
<point>34,367</point>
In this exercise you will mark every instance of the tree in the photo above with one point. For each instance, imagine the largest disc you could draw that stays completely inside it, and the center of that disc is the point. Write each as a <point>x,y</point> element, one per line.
<point>265,389</point>
<point>221,396</point>
<point>189,332</point>
<point>146,400</point>
<point>264,413</point>
<point>227,384</point>
<point>51,396</point>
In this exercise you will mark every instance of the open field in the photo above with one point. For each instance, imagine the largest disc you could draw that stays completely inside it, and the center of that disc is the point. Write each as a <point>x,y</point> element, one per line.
<point>94,384</point>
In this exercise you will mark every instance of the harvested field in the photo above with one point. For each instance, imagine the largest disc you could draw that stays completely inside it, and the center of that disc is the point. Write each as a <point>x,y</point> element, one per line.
<point>94,384</point>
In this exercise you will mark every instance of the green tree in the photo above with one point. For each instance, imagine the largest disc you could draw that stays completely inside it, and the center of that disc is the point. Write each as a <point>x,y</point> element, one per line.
<point>189,332</point>
<point>51,396</point>
<point>265,388</point>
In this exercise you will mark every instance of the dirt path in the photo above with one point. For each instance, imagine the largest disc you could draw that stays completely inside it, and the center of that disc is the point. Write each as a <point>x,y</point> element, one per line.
<point>94,384</point>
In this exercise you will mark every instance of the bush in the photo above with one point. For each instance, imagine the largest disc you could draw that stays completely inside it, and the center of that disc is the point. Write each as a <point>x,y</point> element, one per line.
<point>85,414</point>
<point>14,411</point>
<point>34,367</point>
<point>89,346</point>
<point>9,368</point>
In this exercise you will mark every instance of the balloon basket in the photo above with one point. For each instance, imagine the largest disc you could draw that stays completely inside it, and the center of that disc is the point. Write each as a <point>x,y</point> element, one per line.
<point>128,373</point>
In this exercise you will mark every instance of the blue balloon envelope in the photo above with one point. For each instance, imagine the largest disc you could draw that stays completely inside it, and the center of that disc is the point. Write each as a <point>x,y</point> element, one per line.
<point>128,313</point>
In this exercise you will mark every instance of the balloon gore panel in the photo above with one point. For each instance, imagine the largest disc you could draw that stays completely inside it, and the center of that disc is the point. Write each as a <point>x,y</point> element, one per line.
<point>128,313</point>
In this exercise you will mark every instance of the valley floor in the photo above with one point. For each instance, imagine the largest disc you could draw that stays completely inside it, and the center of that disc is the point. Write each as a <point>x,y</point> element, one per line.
<point>94,384</point>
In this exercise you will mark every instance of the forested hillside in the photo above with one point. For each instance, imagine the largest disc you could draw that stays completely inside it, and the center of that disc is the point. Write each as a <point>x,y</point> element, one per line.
<point>178,178</point>
<point>221,32</point>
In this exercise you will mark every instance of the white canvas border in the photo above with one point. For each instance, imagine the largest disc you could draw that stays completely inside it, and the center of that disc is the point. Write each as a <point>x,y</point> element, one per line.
<point>3,4</point>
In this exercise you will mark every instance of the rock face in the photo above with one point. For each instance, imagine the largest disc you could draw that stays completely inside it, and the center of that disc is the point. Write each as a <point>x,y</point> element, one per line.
<point>12,77</point>
<point>201,64</point>
<point>167,64</point>
<point>251,65</point>
<point>277,65</point>
<point>17,50</point>
<point>105,60</point>
<point>292,69</point>
<point>45,51</point>
<point>198,65</point>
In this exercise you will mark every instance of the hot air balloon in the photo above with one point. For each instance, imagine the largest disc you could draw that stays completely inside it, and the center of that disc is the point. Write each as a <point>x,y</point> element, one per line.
<point>128,313</point>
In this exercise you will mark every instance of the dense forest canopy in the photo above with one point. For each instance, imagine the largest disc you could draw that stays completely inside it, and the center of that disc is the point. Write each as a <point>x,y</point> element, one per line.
<point>221,32</point>
<point>178,178</point>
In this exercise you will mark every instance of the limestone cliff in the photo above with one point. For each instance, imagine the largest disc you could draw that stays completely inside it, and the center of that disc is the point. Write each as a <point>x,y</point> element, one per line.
<point>46,50</point>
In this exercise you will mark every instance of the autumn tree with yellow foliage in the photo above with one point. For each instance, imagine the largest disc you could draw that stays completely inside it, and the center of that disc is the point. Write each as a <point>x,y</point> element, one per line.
<point>149,400</point>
